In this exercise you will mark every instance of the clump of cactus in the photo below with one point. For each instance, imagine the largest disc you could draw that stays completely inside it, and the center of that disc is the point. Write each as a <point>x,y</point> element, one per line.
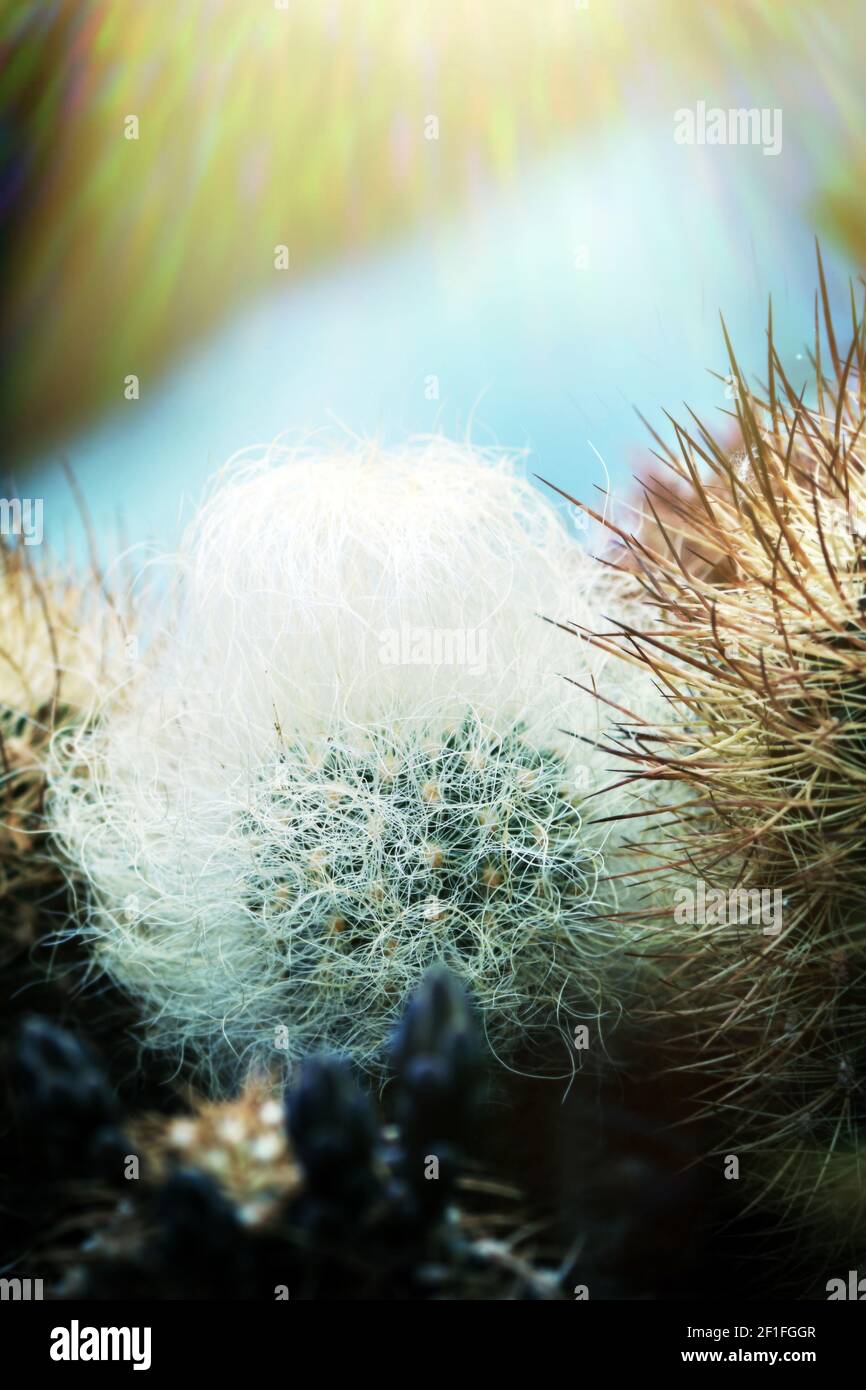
<point>253,1198</point>
<point>288,812</point>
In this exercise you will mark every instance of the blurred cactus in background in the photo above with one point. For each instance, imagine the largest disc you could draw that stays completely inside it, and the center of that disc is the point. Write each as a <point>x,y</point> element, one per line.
<point>240,1199</point>
<point>58,642</point>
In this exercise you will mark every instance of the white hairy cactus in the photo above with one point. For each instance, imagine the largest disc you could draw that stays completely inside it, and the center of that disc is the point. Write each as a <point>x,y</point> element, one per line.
<point>349,752</point>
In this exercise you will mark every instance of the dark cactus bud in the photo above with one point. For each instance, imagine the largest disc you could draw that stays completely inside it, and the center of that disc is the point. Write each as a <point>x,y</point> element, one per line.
<point>437,1060</point>
<point>333,1131</point>
<point>68,1112</point>
<point>436,1057</point>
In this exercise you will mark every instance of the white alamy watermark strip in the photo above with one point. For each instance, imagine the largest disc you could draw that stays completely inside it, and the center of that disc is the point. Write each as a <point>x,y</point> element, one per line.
<point>22,516</point>
<point>434,646</point>
<point>740,125</point>
<point>738,907</point>
<point>77,1343</point>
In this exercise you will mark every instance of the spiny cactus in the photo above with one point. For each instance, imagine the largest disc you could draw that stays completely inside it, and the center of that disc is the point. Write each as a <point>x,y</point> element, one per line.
<point>763,659</point>
<point>40,689</point>
<point>59,640</point>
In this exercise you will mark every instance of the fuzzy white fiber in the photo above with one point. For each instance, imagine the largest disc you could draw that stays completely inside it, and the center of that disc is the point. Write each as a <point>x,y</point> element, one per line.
<point>349,752</point>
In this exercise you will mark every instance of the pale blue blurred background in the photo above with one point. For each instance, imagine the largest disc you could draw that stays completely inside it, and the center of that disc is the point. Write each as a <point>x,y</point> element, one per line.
<point>548,311</point>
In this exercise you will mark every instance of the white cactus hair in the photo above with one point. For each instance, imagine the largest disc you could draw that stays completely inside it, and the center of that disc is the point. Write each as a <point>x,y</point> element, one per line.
<point>315,783</point>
